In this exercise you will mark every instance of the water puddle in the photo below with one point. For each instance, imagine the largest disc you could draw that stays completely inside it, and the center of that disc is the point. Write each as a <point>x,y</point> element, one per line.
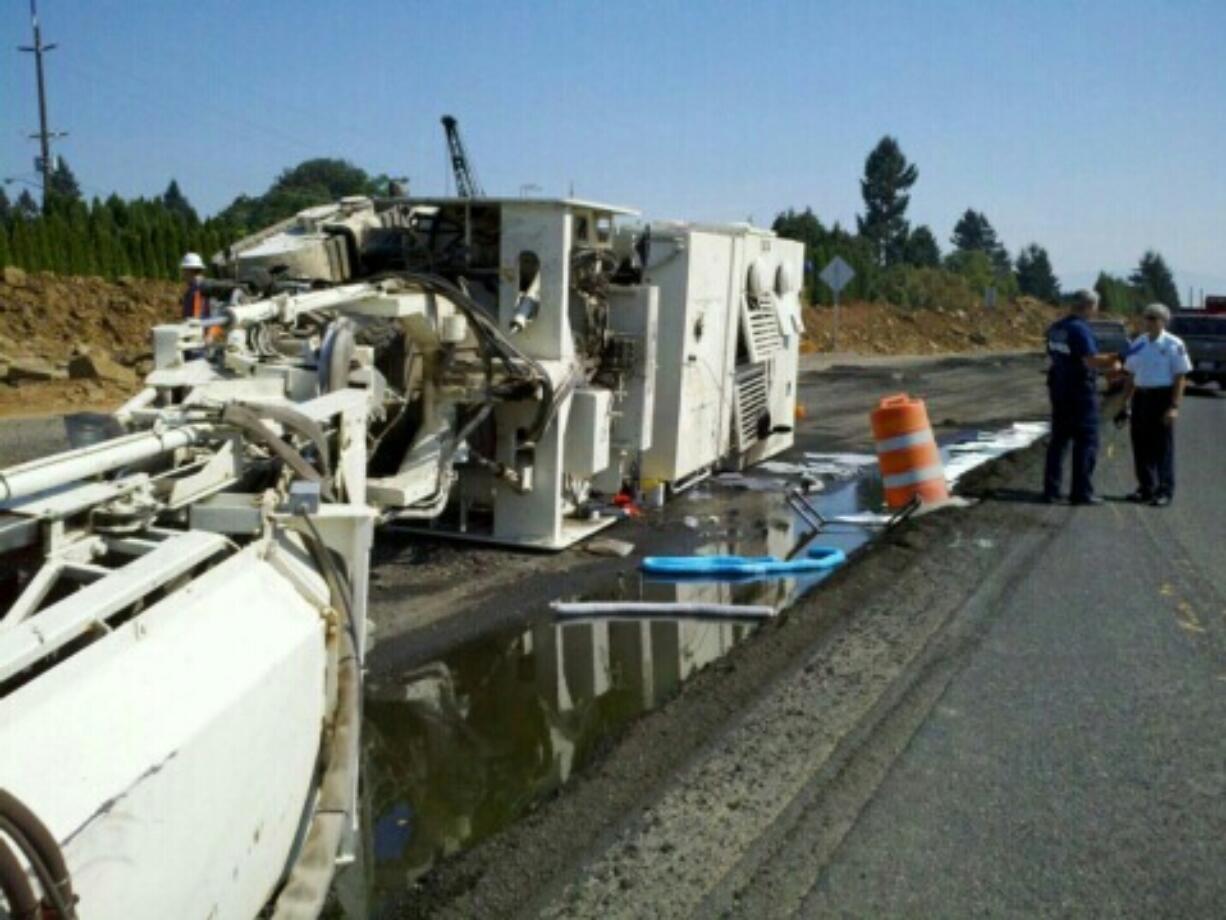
<point>464,746</point>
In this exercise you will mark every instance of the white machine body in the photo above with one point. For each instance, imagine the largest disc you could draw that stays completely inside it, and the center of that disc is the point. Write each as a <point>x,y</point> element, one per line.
<point>183,603</point>
<point>526,358</point>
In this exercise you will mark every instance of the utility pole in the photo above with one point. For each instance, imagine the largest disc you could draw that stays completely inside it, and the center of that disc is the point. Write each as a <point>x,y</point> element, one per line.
<point>44,135</point>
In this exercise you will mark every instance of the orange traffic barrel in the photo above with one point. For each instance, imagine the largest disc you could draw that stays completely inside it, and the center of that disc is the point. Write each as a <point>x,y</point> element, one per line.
<point>907,452</point>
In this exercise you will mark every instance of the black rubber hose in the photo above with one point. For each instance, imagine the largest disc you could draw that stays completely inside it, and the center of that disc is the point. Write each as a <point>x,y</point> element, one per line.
<point>493,337</point>
<point>247,421</point>
<point>15,886</point>
<point>25,824</point>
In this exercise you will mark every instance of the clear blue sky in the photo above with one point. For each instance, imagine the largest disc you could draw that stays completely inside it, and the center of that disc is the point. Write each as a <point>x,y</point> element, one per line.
<point>1097,129</point>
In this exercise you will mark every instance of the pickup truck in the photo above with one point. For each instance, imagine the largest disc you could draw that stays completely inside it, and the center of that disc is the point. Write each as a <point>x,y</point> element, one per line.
<point>1205,337</point>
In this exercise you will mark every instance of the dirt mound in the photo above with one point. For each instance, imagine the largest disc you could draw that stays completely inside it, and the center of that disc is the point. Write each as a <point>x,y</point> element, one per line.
<point>47,320</point>
<point>882,329</point>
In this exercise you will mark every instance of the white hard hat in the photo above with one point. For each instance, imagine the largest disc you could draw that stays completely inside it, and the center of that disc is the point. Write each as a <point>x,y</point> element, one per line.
<point>192,260</point>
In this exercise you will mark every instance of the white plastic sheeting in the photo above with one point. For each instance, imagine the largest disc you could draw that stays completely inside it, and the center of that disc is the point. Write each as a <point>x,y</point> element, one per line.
<point>967,455</point>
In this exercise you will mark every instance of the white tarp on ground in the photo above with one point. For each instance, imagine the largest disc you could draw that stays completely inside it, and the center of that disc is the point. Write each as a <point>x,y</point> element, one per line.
<point>814,468</point>
<point>964,457</point>
<point>838,466</point>
<point>961,458</point>
<point>967,455</point>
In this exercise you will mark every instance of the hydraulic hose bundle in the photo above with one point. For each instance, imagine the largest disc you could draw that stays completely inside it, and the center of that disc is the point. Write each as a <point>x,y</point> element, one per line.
<point>310,876</point>
<point>494,341</point>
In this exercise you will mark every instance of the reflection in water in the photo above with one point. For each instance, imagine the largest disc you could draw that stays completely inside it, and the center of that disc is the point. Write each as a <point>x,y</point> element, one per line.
<point>462,747</point>
<point>468,749</point>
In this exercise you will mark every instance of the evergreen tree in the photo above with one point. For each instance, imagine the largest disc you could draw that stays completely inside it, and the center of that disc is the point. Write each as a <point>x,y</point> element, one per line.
<point>1153,280</point>
<point>1035,277</point>
<point>119,211</point>
<point>922,249</point>
<point>177,204</point>
<point>6,255</point>
<point>59,244</point>
<point>887,177</point>
<point>85,261</point>
<point>40,251</point>
<point>20,247</point>
<point>148,257</point>
<point>802,226</point>
<point>6,208</point>
<point>27,208</point>
<point>131,242</point>
<point>974,233</point>
<point>63,190</point>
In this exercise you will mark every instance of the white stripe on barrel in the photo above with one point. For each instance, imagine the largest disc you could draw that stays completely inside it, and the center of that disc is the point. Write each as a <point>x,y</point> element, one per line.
<point>913,439</point>
<point>911,477</point>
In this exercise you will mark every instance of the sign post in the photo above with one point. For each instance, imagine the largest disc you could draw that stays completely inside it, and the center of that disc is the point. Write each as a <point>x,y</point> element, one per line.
<point>837,274</point>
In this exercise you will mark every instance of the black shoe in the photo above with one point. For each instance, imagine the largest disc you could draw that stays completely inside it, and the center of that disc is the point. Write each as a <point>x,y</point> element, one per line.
<point>1140,496</point>
<point>1160,501</point>
<point>1088,500</point>
<point>1050,499</point>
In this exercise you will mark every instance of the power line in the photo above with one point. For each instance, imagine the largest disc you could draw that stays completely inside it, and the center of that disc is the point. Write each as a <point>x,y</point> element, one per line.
<point>44,135</point>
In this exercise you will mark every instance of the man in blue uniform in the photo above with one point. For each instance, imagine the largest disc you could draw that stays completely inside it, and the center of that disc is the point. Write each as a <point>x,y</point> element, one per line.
<point>1072,382</point>
<point>1157,368</point>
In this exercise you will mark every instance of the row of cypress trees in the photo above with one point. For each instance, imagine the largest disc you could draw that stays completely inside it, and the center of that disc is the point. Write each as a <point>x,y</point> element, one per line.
<point>145,237</point>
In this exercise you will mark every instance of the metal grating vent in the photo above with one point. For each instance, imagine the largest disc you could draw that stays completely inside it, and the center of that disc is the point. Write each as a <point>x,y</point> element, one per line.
<point>760,326</point>
<point>750,404</point>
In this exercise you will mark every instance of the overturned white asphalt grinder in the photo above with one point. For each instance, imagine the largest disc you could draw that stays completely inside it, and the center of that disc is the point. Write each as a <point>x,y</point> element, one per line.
<point>183,600</point>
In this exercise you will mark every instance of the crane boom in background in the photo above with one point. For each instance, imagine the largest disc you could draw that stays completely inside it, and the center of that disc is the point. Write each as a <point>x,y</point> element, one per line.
<point>466,183</point>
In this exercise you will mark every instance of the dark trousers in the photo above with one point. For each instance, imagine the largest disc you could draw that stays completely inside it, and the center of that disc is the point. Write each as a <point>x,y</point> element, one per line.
<point>1077,425</point>
<point>1153,442</point>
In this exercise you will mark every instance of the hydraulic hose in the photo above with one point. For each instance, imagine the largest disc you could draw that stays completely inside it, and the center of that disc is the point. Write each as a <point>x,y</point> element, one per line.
<point>249,423</point>
<point>310,877</point>
<point>39,846</point>
<point>15,886</point>
<point>493,337</point>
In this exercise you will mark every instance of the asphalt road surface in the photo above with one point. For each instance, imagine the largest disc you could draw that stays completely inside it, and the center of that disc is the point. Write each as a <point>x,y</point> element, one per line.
<point>1014,709</point>
<point>1011,709</point>
<point>1077,763</point>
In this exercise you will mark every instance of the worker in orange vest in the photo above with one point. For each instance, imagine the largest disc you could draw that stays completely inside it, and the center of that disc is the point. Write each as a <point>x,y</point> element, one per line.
<point>195,304</point>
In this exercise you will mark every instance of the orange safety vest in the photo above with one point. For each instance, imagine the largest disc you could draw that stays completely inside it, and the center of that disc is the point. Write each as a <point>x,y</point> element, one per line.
<point>196,306</point>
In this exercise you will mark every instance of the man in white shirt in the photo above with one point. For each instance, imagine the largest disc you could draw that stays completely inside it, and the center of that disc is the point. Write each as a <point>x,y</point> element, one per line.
<point>1157,366</point>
